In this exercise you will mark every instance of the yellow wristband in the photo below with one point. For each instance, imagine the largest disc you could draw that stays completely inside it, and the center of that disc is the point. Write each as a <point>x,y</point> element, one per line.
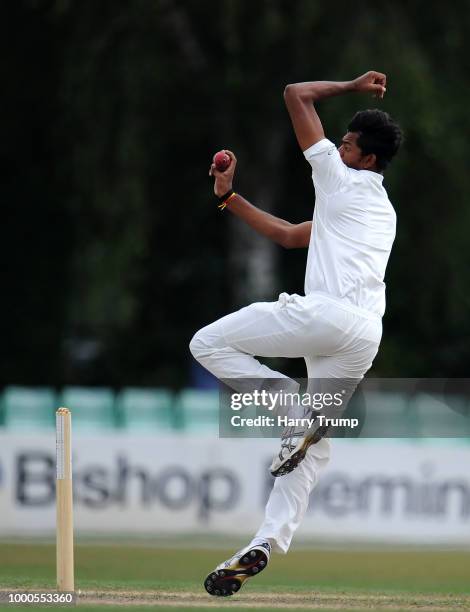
<point>224,204</point>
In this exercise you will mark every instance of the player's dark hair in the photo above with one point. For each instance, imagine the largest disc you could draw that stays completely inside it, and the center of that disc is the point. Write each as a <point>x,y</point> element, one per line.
<point>378,134</point>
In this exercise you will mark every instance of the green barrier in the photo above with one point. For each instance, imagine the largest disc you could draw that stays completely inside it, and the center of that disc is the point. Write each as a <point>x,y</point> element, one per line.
<point>145,409</point>
<point>29,408</point>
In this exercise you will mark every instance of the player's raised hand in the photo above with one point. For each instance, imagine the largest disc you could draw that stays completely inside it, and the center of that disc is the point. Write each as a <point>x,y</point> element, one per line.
<point>372,81</point>
<point>223,180</point>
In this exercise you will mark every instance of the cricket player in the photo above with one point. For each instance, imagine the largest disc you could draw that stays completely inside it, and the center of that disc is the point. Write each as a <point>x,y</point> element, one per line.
<point>337,325</point>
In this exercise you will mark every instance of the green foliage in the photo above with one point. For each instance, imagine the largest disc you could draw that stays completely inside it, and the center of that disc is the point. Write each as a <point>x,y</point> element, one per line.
<point>114,249</point>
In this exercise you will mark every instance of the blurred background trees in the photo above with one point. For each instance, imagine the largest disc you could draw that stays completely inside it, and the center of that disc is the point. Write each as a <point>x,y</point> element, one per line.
<point>114,252</point>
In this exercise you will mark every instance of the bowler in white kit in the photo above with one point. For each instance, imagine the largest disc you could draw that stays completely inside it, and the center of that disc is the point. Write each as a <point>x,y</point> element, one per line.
<point>337,326</point>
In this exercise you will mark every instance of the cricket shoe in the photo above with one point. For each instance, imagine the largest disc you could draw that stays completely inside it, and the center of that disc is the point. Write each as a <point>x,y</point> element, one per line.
<point>295,442</point>
<point>229,576</point>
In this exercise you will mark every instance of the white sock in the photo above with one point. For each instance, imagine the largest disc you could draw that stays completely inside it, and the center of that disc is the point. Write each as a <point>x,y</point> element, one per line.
<point>256,541</point>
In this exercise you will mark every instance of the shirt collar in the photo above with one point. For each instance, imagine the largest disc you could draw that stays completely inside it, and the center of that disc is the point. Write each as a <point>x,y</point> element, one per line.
<point>375,175</point>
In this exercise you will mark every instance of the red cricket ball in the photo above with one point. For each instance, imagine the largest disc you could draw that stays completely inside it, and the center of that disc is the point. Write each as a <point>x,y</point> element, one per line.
<point>222,161</point>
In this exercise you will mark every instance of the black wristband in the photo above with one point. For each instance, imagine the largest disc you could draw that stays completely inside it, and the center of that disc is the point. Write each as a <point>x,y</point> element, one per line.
<point>225,196</point>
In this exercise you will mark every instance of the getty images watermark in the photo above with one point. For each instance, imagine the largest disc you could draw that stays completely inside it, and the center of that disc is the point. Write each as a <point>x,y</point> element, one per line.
<point>348,408</point>
<point>314,407</point>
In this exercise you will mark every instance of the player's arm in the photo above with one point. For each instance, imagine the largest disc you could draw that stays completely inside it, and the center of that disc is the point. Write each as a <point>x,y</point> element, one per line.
<point>288,235</point>
<point>300,99</point>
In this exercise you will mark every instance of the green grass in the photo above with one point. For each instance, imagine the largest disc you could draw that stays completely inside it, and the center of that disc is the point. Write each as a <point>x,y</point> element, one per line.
<point>148,568</point>
<point>342,578</point>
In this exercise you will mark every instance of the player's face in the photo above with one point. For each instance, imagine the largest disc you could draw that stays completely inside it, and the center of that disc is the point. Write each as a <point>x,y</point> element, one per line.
<point>352,155</point>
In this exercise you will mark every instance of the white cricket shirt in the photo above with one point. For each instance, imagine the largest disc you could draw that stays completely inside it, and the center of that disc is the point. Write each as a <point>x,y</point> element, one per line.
<point>353,231</point>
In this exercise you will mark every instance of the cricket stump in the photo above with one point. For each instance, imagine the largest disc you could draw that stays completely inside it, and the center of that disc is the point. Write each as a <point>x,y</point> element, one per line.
<point>64,501</point>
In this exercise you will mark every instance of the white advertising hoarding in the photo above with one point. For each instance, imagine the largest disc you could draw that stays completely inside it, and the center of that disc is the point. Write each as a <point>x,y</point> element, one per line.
<point>383,490</point>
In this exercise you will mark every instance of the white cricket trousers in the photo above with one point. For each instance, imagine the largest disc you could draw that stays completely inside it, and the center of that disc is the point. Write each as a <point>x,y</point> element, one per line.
<point>336,341</point>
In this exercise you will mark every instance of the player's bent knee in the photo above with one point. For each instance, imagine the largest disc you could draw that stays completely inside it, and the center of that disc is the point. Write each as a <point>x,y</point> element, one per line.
<point>197,345</point>
<point>203,343</point>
